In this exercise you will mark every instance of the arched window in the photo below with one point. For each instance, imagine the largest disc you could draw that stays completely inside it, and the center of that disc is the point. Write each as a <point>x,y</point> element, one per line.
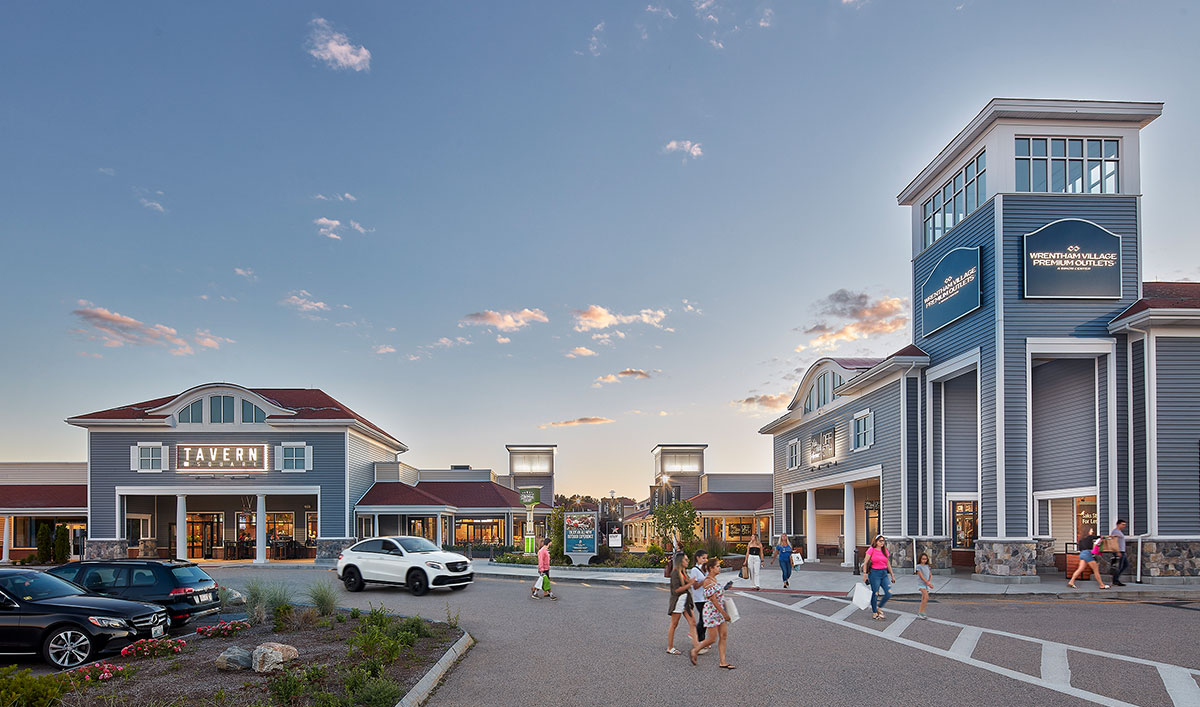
<point>252,412</point>
<point>821,392</point>
<point>193,413</point>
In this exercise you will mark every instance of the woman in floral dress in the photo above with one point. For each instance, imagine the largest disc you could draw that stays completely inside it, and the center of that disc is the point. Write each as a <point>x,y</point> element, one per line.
<point>715,615</point>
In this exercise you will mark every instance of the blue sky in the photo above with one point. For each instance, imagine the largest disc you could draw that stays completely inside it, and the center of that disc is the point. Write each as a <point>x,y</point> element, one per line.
<point>671,191</point>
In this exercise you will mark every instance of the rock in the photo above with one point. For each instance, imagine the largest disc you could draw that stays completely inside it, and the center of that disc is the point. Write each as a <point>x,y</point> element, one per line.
<point>234,658</point>
<point>236,598</point>
<point>271,656</point>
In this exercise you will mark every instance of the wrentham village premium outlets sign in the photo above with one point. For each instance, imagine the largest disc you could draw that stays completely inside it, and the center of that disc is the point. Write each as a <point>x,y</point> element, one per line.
<point>221,457</point>
<point>952,290</point>
<point>1072,259</point>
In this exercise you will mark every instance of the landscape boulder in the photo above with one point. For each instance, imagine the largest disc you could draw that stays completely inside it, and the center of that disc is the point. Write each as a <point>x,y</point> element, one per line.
<point>271,656</point>
<point>234,658</point>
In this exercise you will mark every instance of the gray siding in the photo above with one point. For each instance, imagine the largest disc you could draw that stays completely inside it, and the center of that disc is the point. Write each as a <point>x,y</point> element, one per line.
<point>1064,424</point>
<point>1177,361</point>
<point>1124,498</point>
<point>912,400</point>
<point>1138,401</point>
<point>737,482</point>
<point>109,458</point>
<point>962,434</point>
<point>937,420</point>
<point>543,481</point>
<point>1043,526</point>
<point>361,456</point>
<point>1102,441</point>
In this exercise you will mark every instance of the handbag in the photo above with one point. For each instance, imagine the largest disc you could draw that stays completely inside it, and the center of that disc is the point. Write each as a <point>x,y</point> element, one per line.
<point>860,595</point>
<point>1109,544</point>
<point>745,571</point>
<point>732,610</point>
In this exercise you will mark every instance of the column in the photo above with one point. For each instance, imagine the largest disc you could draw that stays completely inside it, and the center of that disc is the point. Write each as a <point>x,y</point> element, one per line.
<point>181,527</point>
<point>439,530</point>
<point>810,526</point>
<point>375,525</point>
<point>260,530</point>
<point>849,526</point>
<point>6,538</point>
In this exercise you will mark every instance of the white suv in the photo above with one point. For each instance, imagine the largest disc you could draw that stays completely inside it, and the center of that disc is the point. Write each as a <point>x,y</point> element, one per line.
<point>404,560</point>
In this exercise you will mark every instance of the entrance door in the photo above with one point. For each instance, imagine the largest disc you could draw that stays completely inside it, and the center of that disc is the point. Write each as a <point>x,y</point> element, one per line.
<point>204,534</point>
<point>366,527</point>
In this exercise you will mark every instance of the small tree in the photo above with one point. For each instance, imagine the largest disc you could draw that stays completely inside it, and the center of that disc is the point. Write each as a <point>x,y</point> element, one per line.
<point>556,534</point>
<point>62,545</point>
<point>45,543</point>
<point>678,518</point>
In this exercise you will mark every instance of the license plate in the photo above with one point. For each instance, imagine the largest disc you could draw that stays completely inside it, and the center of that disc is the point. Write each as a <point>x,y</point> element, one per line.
<point>201,598</point>
<point>158,630</point>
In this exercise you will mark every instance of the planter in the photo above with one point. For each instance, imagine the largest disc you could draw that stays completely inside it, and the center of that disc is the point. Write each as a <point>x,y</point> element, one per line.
<point>1073,564</point>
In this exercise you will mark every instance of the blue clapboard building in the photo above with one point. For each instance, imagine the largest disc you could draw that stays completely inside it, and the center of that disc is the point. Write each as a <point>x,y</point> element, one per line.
<point>1048,391</point>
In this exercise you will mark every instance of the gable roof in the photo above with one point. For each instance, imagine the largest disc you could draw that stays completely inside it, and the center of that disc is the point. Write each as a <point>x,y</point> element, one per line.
<point>733,501</point>
<point>1164,295</point>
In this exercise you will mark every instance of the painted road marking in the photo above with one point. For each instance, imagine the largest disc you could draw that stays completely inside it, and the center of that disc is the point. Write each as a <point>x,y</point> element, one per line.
<point>1180,684</point>
<point>841,613</point>
<point>803,602</point>
<point>964,644</point>
<point>1055,666</point>
<point>624,587</point>
<point>897,626</point>
<point>585,584</point>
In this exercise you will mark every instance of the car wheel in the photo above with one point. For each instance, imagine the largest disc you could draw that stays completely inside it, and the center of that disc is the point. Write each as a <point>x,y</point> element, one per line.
<point>352,579</point>
<point>417,583</point>
<point>67,647</point>
<point>458,587</point>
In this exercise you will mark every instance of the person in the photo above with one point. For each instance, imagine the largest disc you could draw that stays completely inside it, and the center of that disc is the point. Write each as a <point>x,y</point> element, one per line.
<point>715,615</point>
<point>925,573</point>
<point>1121,562</point>
<point>783,551</point>
<point>543,580</point>
<point>680,602</point>
<point>754,560</point>
<point>877,568</point>
<point>1087,558</point>
<point>697,575</point>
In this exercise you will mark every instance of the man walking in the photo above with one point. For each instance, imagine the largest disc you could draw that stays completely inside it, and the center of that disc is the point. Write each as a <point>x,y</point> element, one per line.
<point>696,573</point>
<point>1121,562</point>
<point>543,565</point>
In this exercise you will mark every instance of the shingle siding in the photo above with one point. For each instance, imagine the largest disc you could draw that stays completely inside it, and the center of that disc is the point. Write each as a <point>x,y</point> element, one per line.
<point>1177,367</point>
<point>1064,424</point>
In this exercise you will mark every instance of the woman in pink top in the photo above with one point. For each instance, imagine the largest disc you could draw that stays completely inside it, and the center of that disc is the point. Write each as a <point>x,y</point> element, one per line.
<point>543,580</point>
<point>877,568</point>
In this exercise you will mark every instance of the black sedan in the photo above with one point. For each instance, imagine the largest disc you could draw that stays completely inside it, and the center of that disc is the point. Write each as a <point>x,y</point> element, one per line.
<point>67,625</point>
<point>185,590</point>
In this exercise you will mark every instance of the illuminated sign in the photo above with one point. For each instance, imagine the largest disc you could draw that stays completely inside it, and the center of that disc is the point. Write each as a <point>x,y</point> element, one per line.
<point>822,447</point>
<point>1072,259</point>
<point>952,290</point>
<point>221,457</point>
<point>531,496</point>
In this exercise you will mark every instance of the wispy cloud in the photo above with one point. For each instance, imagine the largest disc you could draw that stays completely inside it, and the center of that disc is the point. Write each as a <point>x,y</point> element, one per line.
<point>502,339</point>
<point>107,171</point>
<point>328,227</point>
<point>152,205</point>
<point>606,337</point>
<point>596,44</point>
<point>764,402</point>
<point>690,150</point>
<point>346,196</point>
<point>89,354</point>
<point>578,421</point>
<point>868,317</point>
<point>601,380</point>
<point>663,413</point>
<point>661,11</point>
<point>205,339</point>
<point>426,350</point>
<point>115,330</point>
<point>335,48</point>
<point>633,373</point>
<point>246,273</point>
<point>302,301</point>
<point>690,306</point>
<point>767,18</point>
<point>505,320</point>
<point>359,227</point>
<point>580,352</point>
<point>384,349</point>
<point>597,317</point>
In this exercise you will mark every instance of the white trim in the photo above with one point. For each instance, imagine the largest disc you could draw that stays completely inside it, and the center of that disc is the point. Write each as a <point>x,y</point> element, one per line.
<point>1076,492</point>
<point>149,522</point>
<point>942,447</point>
<point>792,446</point>
<point>870,430</point>
<point>869,472</point>
<point>163,453</point>
<point>220,490</point>
<point>903,456</point>
<point>346,458</point>
<point>1151,370</point>
<point>292,444</point>
<point>1066,346</point>
<point>951,368</point>
<point>927,511</point>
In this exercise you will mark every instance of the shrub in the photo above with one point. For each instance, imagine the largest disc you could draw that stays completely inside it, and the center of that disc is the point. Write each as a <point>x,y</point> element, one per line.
<point>153,648</point>
<point>355,612</point>
<point>654,550</point>
<point>288,687</point>
<point>225,595</point>
<point>341,618</point>
<point>88,675</point>
<point>556,534</point>
<point>22,687</point>
<point>377,692</point>
<point>45,543</point>
<point>281,615</point>
<point>324,597</point>
<point>515,559</point>
<point>303,618</point>
<point>276,596</point>
<point>223,629</point>
<point>417,625</point>
<point>715,547</point>
<point>62,545</point>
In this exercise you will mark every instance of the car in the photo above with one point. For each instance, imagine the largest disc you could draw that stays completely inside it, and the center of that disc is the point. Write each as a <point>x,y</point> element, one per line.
<point>402,560</point>
<point>65,623</point>
<point>185,590</point>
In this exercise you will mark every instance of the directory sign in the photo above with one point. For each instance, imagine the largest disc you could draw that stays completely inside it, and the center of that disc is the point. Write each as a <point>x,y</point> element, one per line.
<point>952,290</point>
<point>579,533</point>
<point>1072,259</point>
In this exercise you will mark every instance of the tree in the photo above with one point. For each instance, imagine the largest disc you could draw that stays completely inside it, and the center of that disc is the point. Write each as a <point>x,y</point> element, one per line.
<point>675,519</point>
<point>556,534</point>
<point>45,543</point>
<point>62,545</point>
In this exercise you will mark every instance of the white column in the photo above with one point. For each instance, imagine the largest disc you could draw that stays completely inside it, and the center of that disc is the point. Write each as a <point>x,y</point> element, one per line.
<point>375,525</point>
<point>181,527</point>
<point>849,527</point>
<point>810,526</point>
<point>6,538</point>
<point>260,530</point>
<point>439,530</point>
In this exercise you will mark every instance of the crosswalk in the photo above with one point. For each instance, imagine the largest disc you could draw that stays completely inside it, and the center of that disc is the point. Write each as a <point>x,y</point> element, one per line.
<point>1055,674</point>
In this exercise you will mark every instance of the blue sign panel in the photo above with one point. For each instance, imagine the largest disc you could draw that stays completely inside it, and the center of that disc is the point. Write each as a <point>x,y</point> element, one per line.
<point>579,533</point>
<point>952,290</point>
<point>1072,259</point>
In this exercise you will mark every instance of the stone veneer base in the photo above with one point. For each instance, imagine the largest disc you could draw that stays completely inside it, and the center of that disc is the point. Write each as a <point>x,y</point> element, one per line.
<point>938,549</point>
<point>1009,579</point>
<point>1176,580</point>
<point>329,548</point>
<point>105,549</point>
<point>1168,559</point>
<point>1006,560</point>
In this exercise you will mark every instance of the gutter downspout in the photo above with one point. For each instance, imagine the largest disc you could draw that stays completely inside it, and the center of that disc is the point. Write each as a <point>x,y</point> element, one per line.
<point>1141,537</point>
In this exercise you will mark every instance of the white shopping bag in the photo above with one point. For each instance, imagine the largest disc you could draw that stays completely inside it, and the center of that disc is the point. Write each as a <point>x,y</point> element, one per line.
<point>861,595</point>
<point>732,610</point>
<point>797,560</point>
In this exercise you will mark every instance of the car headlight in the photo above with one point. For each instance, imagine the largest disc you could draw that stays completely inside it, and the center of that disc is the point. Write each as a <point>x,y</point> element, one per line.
<point>434,565</point>
<point>107,622</point>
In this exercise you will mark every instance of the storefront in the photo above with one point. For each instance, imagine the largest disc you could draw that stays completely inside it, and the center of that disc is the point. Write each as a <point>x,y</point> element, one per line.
<point>37,494</point>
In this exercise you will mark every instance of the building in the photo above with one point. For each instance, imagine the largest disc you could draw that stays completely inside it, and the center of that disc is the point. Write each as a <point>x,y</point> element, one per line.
<point>33,494</point>
<point>1048,390</point>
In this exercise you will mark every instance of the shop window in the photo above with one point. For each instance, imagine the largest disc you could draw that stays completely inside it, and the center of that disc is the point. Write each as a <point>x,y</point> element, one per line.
<point>252,412</point>
<point>964,524</point>
<point>293,458</point>
<point>871,516</point>
<point>220,409</point>
<point>1086,518</point>
<point>279,525</point>
<point>137,528</point>
<point>193,414</point>
<point>487,531</point>
<point>1067,165</point>
<point>864,431</point>
<point>312,529</point>
<point>956,200</point>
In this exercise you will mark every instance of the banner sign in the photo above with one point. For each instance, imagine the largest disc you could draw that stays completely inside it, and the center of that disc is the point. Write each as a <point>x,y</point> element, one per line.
<point>822,447</point>
<point>530,495</point>
<point>579,533</point>
<point>1072,259</point>
<point>221,457</point>
<point>952,290</point>
<point>614,540</point>
<point>530,544</point>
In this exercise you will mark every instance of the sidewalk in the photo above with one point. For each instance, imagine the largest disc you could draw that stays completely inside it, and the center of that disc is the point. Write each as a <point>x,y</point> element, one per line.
<point>834,580</point>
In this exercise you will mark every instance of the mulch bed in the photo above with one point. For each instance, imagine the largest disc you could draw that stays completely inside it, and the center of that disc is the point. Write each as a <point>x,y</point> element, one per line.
<point>192,678</point>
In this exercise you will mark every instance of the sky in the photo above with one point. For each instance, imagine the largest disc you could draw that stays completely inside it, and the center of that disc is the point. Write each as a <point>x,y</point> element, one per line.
<point>604,226</point>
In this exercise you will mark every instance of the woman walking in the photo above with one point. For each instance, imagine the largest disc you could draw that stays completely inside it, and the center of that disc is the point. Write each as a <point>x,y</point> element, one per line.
<point>680,603</point>
<point>878,569</point>
<point>754,560</point>
<point>715,615</point>
<point>783,550</point>
<point>925,574</point>
<point>1087,558</point>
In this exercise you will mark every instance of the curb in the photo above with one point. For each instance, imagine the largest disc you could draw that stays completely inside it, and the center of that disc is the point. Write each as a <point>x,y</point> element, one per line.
<point>424,688</point>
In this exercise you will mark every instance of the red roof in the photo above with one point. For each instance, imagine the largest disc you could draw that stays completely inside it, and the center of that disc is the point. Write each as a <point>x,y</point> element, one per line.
<point>733,501</point>
<point>460,494</point>
<point>1165,295</point>
<point>307,403</point>
<point>44,496</point>
<point>398,493</point>
<point>910,350</point>
<point>637,516</point>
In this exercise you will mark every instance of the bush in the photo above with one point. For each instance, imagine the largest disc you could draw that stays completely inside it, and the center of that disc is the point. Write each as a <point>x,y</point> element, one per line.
<point>45,543</point>
<point>417,625</point>
<point>377,692</point>
<point>289,686</point>
<point>654,550</point>
<point>22,687</point>
<point>515,559</point>
<point>153,648</point>
<point>62,545</point>
<point>281,616</point>
<point>556,535</point>
<point>715,547</point>
<point>223,629</point>
<point>355,612</point>
<point>324,597</point>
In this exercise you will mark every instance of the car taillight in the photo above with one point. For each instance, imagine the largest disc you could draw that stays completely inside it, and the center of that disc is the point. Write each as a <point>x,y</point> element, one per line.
<point>339,555</point>
<point>181,590</point>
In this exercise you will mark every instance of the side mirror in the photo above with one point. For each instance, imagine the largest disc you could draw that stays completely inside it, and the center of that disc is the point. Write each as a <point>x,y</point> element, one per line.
<point>397,552</point>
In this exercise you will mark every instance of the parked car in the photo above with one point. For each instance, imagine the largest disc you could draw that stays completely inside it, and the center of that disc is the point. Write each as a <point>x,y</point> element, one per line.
<point>403,560</point>
<point>186,591</point>
<point>66,624</point>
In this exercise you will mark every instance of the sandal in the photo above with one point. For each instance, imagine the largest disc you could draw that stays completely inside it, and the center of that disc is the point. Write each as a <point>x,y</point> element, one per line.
<point>1072,585</point>
<point>729,667</point>
<point>674,651</point>
<point>1106,586</point>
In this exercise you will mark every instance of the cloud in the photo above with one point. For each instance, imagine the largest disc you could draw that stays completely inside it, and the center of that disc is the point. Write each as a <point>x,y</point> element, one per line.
<point>107,171</point>
<point>89,354</point>
<point>335,197</point>
<point>601,380</point>
<point>689,306</point>
<point>328,227</point>
<point>303,302</point>
<point>596,43</point>
<point>663,12</point>
<point>580,352</point>
<point>597,317</point>
<point>502,339</point>
<point>633,373</point>
<point>768,17</point>
<point>505,320</point>
<point>607,336</point>
<point>246,273</point>
<point>335,49</point>
<point>867,317</point>
<point>359,227</point>
<point>384,349</point>
<point>205,339</point>
<point>152,205</point>
<point>764,401</point>
<point>689,148</point>
<point>663,413</point>
<point>114,330</point>
<point>578,421</point>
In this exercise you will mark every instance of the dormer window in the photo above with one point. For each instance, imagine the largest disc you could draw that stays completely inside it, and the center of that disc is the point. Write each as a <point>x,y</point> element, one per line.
<point>1067,165</point>
<point>954,202</point>
<point>193,413</point>
<point>220,409</point>
<point>821,392</point>
<point>252,412</point>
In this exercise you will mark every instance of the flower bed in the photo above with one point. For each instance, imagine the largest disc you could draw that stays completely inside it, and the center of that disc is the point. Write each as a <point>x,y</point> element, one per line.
<point>153,648</point>
<point>223,629</point>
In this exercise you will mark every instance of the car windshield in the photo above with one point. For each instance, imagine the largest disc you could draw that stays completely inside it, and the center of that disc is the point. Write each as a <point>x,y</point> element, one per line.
<point>416,545</point>
<point>36,586</point>
<point>190,574</point>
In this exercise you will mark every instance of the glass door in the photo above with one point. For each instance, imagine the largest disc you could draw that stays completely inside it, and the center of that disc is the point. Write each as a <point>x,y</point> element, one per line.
<point>204,533</point>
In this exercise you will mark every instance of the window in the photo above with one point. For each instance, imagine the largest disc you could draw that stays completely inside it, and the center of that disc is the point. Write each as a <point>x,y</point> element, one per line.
<point>193,414</point>
<point>956,200</point>
<point>964,530</point>
<point>149,458</point>
<point>220,409</point>
<point>310,522</point>
<point>137,527</point>
<point>793,454</point>
<point>252,412</point>
<point>293,458</point>
<point>1067,165</point>
<point>864,430</point>
<point>486,531</point>
<point>821,392</point>
<point>871,514</point>
<point>279,525</point>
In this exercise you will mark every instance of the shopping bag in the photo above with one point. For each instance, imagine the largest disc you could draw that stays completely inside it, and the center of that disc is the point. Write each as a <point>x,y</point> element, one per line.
<point>732,610</point>
<point>797,559</point>
<point>546,583</point>
<point>537,582</point>
<point>745,571</point>
<point>1109,544</point>
<point>861,595</point>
